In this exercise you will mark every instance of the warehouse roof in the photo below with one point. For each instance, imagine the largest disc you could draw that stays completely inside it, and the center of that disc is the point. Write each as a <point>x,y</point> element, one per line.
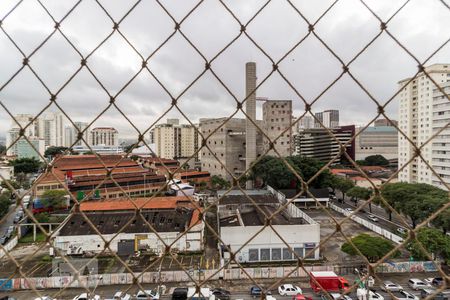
<point>143,203</point>
<point>242,199</point>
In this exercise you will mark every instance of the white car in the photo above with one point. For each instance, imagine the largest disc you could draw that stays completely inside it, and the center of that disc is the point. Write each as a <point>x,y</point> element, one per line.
<point>270,297</point>
<point>402,295</point>
<point>348,209</point>
<point>84,296</point>
<point>390,286</point>
<point>417,284</point>
<point>147,294</point>
<point>372,218</point>
<point>289,290</point>
<point>119,295</point>
<point>362,294</point>
<point>429,280</point>
<point>336,296</point>
<point>43,298</point>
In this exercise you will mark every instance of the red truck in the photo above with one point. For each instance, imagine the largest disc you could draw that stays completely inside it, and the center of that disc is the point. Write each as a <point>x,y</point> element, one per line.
<point>327,281</point>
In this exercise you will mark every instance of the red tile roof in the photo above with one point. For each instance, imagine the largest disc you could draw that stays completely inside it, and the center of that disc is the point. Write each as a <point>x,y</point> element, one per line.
<point>80,162</point>
<point>343,171</point>
<point>127,204</point>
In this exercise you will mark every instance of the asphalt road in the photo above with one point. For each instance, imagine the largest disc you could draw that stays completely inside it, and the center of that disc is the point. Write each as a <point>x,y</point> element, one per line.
<point>382,218</point>
<point>8,220</point>
<point>238,292</point>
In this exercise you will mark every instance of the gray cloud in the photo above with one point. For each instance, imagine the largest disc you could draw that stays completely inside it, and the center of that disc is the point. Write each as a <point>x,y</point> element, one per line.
<point>421,26</point>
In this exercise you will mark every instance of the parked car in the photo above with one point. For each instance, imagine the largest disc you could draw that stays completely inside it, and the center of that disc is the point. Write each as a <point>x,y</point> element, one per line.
<point>301,297</point>
<point>372,218</point>
<point>289,290</point>
<point>390,286</point>
<point>221,294</point>
<point>180,293</point>
<point>3,240</point>
<point>256,291</point>
<point>44,298</point>
<point>17,218</point>
<point>438,281</point>
<point>429,280</point>
<point>119,295</point>
<point>335,296</point>
<point>428,292</point>
<point>348,209</point>
<point>417,284</point>
<point>84,296</point>
<point>402,230</point>
<point>147,294</point>
<point>402,295</point>
<point>7,298</point>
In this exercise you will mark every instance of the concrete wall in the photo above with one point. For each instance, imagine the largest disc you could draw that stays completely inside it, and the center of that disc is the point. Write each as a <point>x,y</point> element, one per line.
<point>190,242</point>
<point>296,236</point>
<point>9,246</point>
<point>375,228</point>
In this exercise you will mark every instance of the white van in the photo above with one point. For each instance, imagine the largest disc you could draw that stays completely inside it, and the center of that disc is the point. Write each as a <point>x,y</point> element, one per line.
<point>417,284</point>
<point>205,294</point>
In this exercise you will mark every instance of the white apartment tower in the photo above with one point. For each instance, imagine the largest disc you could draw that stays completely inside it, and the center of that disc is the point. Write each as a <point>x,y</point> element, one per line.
<point>52,129</point>
<point>440,147</point>
<point>71,134</point>
<point>174,140</point>
<point>423,111</point>
<point>14,131</point>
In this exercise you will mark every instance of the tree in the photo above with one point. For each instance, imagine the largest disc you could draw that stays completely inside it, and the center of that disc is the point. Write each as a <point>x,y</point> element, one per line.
<point>2,149</point>
<point>376,160</point>
<point>13,183</point>
<point>218,183</point>
<point>372,247</point>
<point>358,192</point>
<point>442,221</point>
<point>53,150</point>
<point>434,242</point>
<point>25,165</point>
<point>415,200</point>
<point>273,171</point>
<point>54,198</point>
<point>4,204</point>
<point>344,185</point>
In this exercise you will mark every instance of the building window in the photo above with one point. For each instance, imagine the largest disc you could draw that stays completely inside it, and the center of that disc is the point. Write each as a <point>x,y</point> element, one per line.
<point>265,254</point>
<point>276,254</point>
<point>298,252</point>
<point>253,254</point>
<point>287,254</point>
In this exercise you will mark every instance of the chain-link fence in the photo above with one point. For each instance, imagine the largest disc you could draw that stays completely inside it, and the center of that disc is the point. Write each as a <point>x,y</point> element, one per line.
<point>200,222</point>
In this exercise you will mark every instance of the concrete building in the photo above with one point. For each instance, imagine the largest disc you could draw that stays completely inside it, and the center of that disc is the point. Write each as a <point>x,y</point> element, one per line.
<point>71,134</point>
<point>170,217</point>
<point>242,225</point>
<point>440,148</point>
<point>377,140</point>
<point>33,148</point>
<point>329,118</point>
<point>173,140</point>
<point>52,129</point>
<point>385,122</point>
<point>105,136</point>
<point>277,117</point>
<point>228,144</point>
<point>13,133</point>
<point>421,111</point>
<point>319,144</point>
<point>306,122</point>
<point>250,110</point>
<point>6,172</point>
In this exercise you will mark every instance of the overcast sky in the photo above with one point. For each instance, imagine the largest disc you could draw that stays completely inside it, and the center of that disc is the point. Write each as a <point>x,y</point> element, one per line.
<point>422,26</point>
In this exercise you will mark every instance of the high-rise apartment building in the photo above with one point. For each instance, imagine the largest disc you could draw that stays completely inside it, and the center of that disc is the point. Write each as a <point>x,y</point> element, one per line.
<point>421,111</point>
<point>277,117</point>
<point>174,140</point>
<point>52,129</point>
<point>105,136</point>
<point>377,140</point>
<point>306,122</point>
<point>440,147</point>
<point>329,118</point>
<point>33,148</point>
<point>12,136</point>
<point>71,134</point>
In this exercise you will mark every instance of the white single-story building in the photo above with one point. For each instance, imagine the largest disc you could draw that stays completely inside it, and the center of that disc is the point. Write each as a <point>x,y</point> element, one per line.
<point>170,217</point>
<point>243,221</point>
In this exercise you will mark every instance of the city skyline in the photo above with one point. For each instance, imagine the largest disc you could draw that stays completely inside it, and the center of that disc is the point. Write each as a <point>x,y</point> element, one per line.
<point>310,67</point>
